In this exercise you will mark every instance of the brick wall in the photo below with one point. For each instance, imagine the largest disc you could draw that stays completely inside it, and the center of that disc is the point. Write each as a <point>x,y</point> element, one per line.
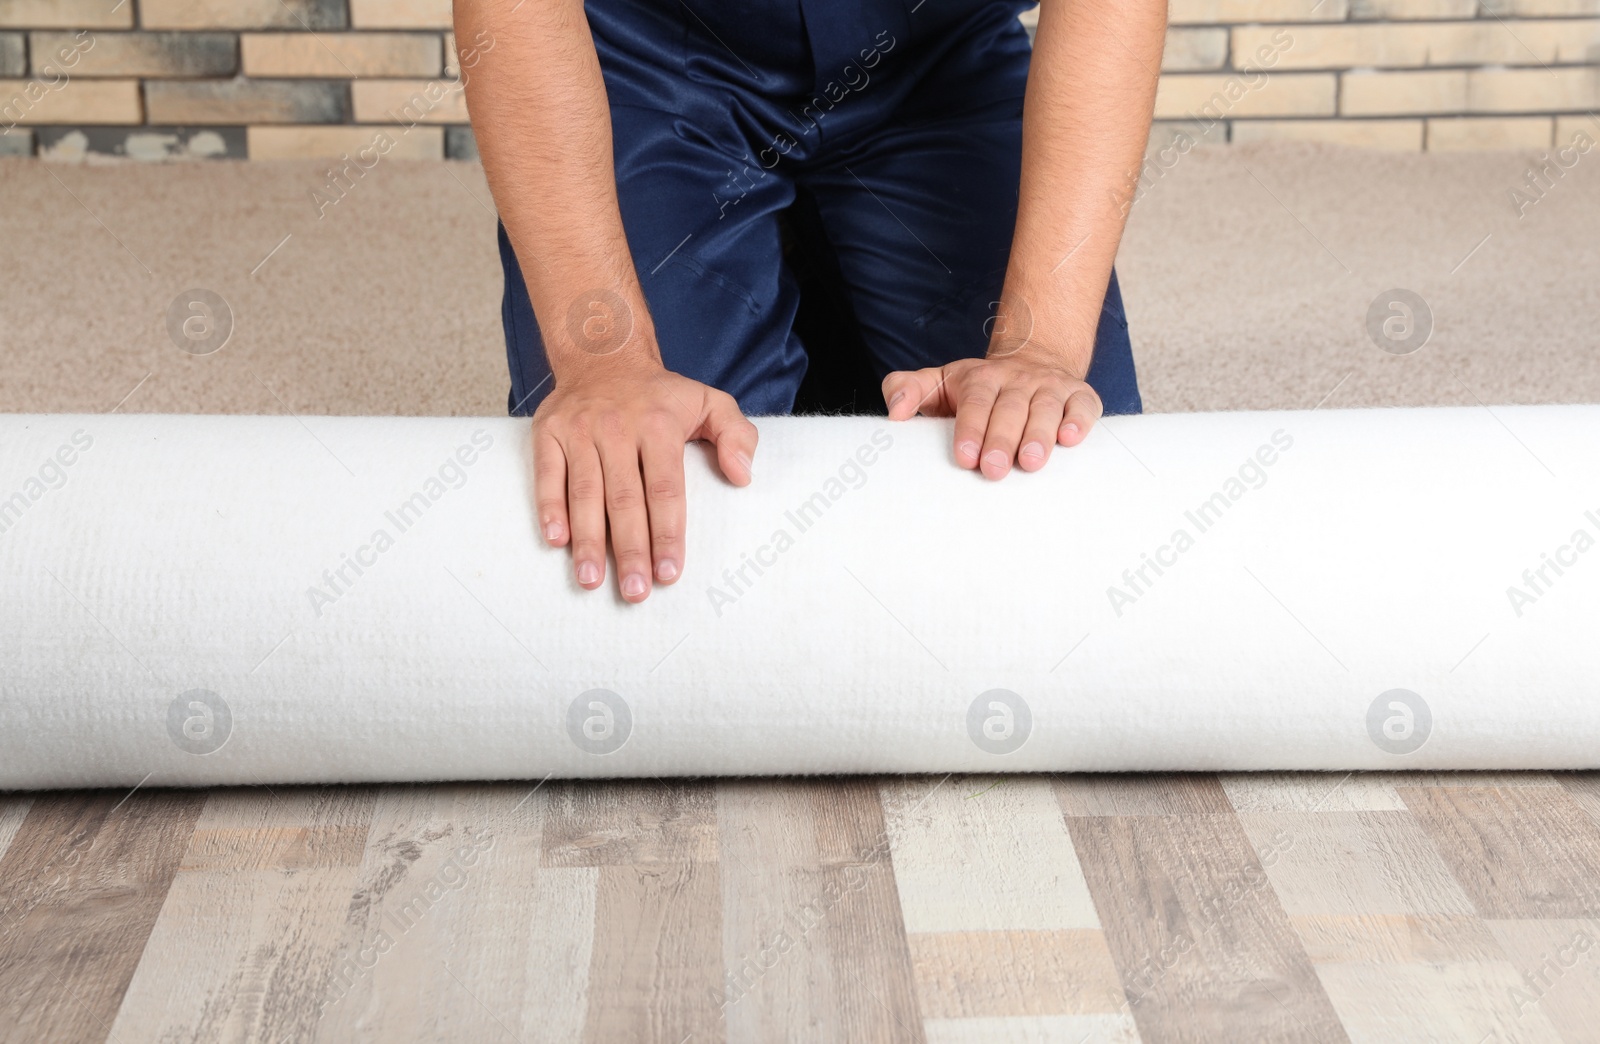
<point>1398,74</point>
<point>160,79</point>
<point>230,78</point>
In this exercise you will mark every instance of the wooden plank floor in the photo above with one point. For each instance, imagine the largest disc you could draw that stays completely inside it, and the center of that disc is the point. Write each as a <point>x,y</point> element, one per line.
<point>1370,907</point>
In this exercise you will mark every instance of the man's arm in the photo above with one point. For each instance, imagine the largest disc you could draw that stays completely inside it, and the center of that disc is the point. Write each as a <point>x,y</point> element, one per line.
<point>1086,118</point>
<point>608,441</point>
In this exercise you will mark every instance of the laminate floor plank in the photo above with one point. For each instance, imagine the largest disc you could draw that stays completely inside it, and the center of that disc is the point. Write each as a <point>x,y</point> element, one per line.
<point>84,879</point>
<point>657,952</point>
<point>1353,863</point>
<point>1354,791</point>
<point>1035,1029</point>
<point>1585,790</point>
<point>1310,792</point>
<point>248,938</point>
<point>1395,938</point>
<point>629,823</point>
<point>1204,949</point>
<point>978,854</point>
<point>13,810</point>
<point>1559,961</point>
<point>1156,794</point>
<point>1427,1003</point>
<point>813,937</point>
<point>555,998</point>
<point>437,941</point>
<point>1518,852</point>
<point>982,974</point>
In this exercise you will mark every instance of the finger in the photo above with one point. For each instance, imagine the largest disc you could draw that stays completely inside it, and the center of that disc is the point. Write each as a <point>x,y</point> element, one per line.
<point>550,487</point>
<point>586,506</point>
<point>661,453</point>
<point>733,435</point>
<point>1083,409</point>
<point>909,392</point>
<point>1045,415</point>
<point>1006,421</point>
<point>975,397</point>
<point>625,510</point>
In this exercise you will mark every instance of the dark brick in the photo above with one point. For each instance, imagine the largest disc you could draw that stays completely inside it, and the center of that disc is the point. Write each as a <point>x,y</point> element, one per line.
<point>144,54</point>
<point>459,144</point>
<point>143,143</point>
<point>13,55</point>
<point>243,14</point>
<point>247,101</point>
<point>17,142</point>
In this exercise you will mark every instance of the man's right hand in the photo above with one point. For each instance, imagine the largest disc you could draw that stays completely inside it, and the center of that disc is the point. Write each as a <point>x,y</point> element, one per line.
<point>610,446</point>
<point>608,441</point>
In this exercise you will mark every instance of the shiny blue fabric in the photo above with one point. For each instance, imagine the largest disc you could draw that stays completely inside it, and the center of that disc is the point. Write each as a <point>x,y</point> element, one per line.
<point>899,122</point>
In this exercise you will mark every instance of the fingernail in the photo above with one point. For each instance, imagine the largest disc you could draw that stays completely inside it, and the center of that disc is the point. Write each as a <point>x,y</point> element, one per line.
<point>1033,451</point>
<point>1069,429</point>
<point>896,400</point>
<point>744,459</point>
<point>996,460</point>
<point>633,585</point>
<point>967,450</point>
<point>552,531</point>
<point>588,573</point>
<point>666,569</point>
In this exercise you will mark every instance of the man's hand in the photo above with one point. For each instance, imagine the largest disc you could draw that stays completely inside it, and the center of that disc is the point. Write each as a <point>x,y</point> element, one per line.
<point>612,448</point>
<point>1085,124</point>
<point>1007,409</point>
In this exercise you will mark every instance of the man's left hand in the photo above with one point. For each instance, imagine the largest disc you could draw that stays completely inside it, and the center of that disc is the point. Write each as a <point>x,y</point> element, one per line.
<point>1010,409</point>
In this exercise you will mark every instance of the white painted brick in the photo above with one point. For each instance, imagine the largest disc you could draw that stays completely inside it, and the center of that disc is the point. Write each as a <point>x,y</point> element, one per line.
<point>1481,42</point>
<point>1573,88</point>
<point>65,14</point>
<point>408,101</point>
<point>24,102</point>
<point>1212,12</point>
<point>1394,135</point>
<point>400,14</point>
<point>322,142</point>
<point>1211,96</point>
<point>1568,128</point>
<point>1462,133</point>
<point>341,55</point>
<point>1402,93</point>
<point>1195,49</point>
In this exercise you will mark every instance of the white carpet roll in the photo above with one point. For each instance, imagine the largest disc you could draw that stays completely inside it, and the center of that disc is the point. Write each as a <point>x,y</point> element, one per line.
<point>209,600</point>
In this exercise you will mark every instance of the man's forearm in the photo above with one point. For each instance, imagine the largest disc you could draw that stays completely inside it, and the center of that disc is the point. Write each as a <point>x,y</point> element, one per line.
<point>1086,118</point>
<point>543,129</point>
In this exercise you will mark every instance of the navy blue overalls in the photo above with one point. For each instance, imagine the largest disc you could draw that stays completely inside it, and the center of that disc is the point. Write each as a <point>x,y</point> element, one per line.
<point>766,148</point>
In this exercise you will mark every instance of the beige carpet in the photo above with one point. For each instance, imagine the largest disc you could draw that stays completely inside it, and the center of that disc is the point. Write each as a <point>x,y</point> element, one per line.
<point>1248,273</point>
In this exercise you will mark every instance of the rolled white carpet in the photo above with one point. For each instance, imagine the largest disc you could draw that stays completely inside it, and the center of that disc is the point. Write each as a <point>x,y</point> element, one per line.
<point>208,600</point>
